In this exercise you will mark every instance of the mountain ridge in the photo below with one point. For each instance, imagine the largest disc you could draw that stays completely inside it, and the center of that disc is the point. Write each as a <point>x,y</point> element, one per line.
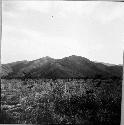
<point>67,67</point>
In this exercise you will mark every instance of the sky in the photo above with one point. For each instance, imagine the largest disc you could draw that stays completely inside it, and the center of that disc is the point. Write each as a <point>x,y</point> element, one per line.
<point>35,29</point>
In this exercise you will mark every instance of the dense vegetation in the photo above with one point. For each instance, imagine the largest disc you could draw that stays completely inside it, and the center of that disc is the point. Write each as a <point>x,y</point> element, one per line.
<point>61,101</point>
<point>68,67</point>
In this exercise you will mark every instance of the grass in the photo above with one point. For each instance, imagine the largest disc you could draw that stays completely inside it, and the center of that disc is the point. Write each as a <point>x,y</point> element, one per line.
<point>61,101</point>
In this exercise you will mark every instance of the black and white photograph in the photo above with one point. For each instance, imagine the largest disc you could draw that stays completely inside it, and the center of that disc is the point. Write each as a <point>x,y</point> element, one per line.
<point>62,62</point>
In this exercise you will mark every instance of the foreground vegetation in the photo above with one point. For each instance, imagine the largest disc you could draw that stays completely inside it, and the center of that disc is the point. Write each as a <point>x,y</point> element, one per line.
<point>61,101</point>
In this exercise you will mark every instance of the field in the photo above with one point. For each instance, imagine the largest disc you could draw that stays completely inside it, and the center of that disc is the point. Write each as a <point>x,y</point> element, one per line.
<point>61,101</point>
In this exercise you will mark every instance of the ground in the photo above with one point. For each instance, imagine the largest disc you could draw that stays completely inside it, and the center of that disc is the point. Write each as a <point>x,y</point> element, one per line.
<point>61,101</point>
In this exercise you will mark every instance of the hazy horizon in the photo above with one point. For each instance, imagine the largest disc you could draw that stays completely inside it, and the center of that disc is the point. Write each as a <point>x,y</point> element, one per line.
<point>35,29</point>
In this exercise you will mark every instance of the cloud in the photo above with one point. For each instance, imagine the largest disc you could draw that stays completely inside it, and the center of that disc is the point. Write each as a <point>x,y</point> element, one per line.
<point>107,12</point>
<point>22,6</point>
<point>80,8</point>
<point>65,7</point>
<point>40,6</point>
<point>89,29</point>
<point>29,44</point>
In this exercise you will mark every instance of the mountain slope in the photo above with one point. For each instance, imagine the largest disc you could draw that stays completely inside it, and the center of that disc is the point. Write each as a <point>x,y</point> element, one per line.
<point>68,67</point>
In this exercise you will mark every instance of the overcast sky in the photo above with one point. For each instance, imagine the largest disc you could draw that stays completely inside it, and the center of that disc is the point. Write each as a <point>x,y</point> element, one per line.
<point>34,29</point>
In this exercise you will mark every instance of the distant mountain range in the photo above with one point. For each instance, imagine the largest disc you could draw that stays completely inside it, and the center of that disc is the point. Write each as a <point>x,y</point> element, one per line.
<point>68,67</point>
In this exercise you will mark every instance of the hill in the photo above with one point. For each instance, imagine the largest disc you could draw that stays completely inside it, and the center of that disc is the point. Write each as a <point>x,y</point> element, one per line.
<point>68,67</point>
